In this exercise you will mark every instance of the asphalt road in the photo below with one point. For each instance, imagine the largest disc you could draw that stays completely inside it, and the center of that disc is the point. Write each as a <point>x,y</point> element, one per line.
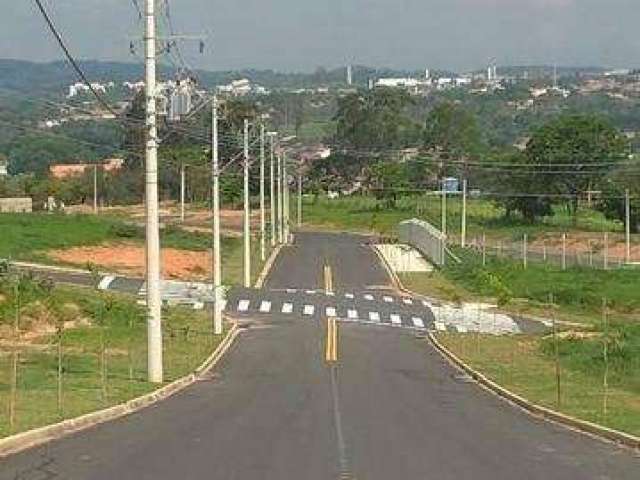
<point>390,408</point>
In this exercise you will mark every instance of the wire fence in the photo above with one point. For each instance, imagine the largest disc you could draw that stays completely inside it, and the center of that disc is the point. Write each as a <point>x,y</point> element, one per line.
<point>72,375</point>
<point>565,252</point>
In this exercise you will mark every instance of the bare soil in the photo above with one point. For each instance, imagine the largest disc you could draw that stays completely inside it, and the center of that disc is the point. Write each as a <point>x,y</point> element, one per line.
<point>129,259</point>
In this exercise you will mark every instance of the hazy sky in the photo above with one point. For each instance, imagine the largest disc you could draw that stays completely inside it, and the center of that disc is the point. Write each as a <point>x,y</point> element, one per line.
<point>304,34</point>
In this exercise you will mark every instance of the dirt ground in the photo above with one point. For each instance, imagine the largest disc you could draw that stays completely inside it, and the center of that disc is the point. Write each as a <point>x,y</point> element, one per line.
<point>196,220</point>
<point>583,242</point>
<point>128,259</point>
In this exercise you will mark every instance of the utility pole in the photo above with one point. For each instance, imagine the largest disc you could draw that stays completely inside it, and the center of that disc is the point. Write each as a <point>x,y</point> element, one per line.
<point>627,224</point>
<point>154,300</point>
<point>95,188</point>
<point>443,208</point>
<point>182,191</point>
<point>299,199</point>
<point>263,249</point>
<point>272,193</point>
<point>280,206</point>
<point>463,229</point>
<point>247,212</point>
<point>285,198</point>
<point>215,197</point>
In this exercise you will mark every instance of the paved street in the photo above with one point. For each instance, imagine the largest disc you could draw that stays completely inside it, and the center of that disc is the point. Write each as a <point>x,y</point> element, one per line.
<point>389,408</point>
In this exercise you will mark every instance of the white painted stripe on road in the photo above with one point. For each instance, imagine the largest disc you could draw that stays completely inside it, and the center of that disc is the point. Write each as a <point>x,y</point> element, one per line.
<point>407,301</point>
<point>461,329</point>
<point>374,317</point>
<point>265,306</point>
<point>387,299</point>
<point>330,294</point>
<point>243,305</point>
<point>352,314</point>
<point>368,296</point>
<point>350,296</point>
<point>310,292</point>
<point>292,290</point>
<point>396,319</point>
<point>287,307</point>
<point>331,312</point>
<point>441,327</point>
<point>417,322</point>
<point>105,282</point>
<point>308,310</point>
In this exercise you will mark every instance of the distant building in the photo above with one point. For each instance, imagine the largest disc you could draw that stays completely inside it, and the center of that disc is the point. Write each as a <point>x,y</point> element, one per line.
<point>62,171</point>
<point>241,88</point>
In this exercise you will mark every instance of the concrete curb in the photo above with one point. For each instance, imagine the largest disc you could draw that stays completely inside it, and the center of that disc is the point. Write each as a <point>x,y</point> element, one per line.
<point>52,268</point>
<point>32,438</point>
<point>583,426</point>
<point>268,265</point>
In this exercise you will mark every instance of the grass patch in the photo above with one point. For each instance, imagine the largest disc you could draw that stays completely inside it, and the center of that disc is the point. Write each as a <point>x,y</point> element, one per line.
<point>108,334</point>
<point>526,366</point>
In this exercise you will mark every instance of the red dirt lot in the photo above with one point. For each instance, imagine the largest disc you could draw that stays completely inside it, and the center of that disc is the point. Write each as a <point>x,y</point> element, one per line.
<point>128,259</point>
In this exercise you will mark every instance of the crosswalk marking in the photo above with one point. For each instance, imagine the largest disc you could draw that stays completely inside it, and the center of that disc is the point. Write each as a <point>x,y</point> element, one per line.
<point>374,316</point>
<point>407,301</point>
<point>417,322</point>
<point>309,309</point>
<point>441,327</point>
<point>243,305</point>
<point>310,292</point>
<point>368,296</point>
<point>265,306</point>
<point>387,299</point>
<point>330,311</point>
<point>287,307</point>
<point>330,294</point>
<point>352,314</point>
<point>292,290</point>
<point>395,319</point>
<point>350,296</point>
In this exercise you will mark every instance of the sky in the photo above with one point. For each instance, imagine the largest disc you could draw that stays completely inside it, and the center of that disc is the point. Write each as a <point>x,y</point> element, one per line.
<point>301,35</point>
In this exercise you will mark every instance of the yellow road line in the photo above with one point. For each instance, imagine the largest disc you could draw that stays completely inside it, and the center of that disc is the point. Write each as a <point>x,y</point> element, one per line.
<point>331,351</point>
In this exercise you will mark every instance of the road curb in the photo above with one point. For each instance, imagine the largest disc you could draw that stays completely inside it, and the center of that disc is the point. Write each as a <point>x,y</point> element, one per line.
<point>32,438</point>
<point>268,265</point>
<point>582,426</point>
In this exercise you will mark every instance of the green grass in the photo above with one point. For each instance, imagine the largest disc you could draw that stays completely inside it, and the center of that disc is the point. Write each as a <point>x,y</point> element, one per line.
<point>578,289</point>
<point>526,366</point>
<point>363,213</point>
<point>187,341</point>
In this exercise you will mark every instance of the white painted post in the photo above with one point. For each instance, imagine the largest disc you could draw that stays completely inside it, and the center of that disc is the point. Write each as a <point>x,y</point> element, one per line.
<point>564,251</point>
<point>263,222</point>
<point>627,224</point>
<point>524,251</point>
<point>272,193</point>
<point>606,250</point>
<point>463,228</point>
<point>216,257</point>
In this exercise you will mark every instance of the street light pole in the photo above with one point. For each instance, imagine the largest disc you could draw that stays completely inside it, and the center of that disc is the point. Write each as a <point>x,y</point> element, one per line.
<point>215,196</point>
<point>285,197</point>
<point>463,229</point>
<point>263,248</point>
<point>627,223</point>
<point>95,188</point>
<point>182,191</point>
<point>154,301</point>
<point>247,212</point>
<point>299,199</point>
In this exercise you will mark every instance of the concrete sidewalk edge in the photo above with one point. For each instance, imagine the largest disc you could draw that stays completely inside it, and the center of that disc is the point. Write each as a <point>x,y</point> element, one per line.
<point>32,438</point>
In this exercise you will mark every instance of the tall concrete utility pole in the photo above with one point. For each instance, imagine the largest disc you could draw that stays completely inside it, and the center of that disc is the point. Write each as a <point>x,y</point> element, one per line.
<point>285,198</point>
<point>95,188</point>
<point>263,247</point>
<point>280,209</point>
<point>272,192</point>
<point>215,197</point>
<point>247,211</point>
<point>463,229</point>
<point>182,191</point>
<point>299,199</point>
<point>627,224</point>
<point>154,301</point>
